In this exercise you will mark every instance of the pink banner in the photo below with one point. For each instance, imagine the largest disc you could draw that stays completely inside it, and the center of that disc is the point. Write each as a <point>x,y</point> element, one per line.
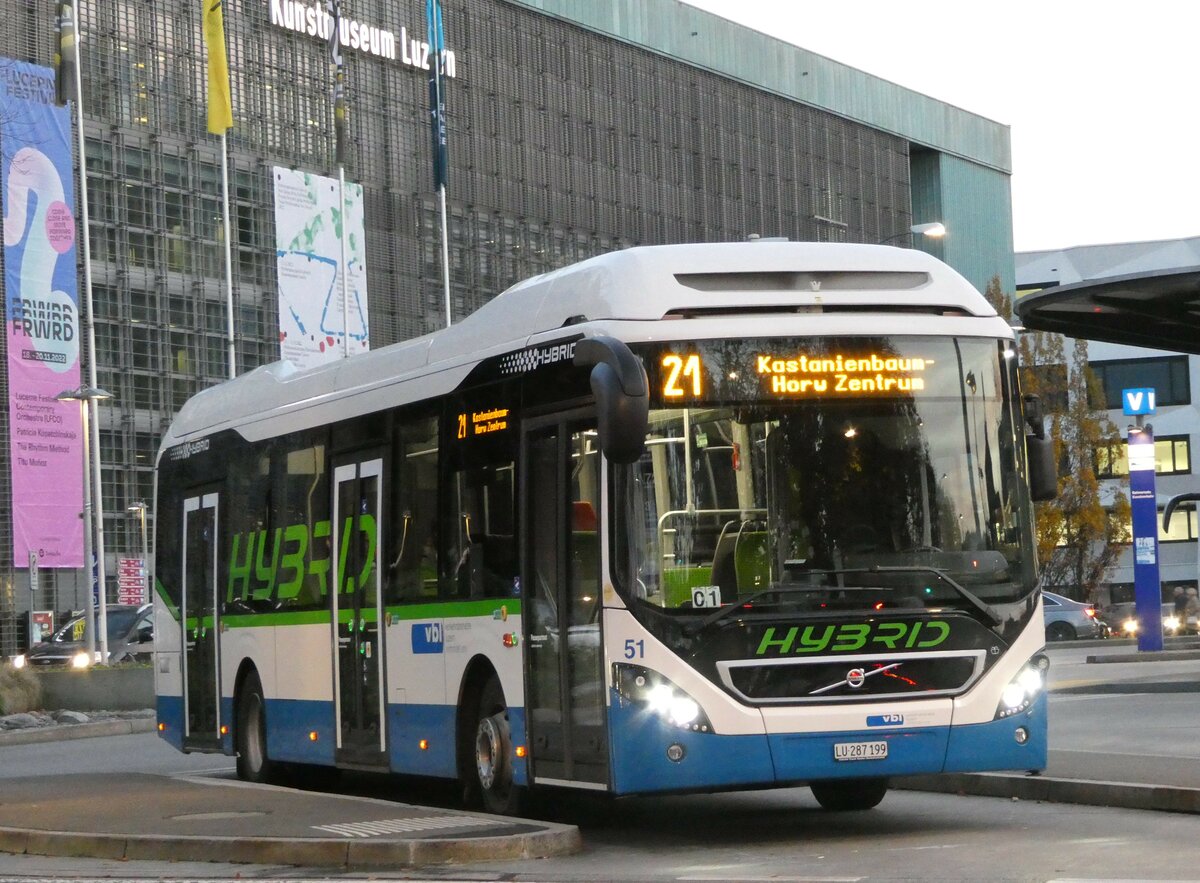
<point>41,318</point>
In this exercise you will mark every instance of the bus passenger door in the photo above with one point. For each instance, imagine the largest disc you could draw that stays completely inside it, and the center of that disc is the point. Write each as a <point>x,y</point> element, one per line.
<point>560,576</point>
<point>198,617</point>
<point>357,608</point>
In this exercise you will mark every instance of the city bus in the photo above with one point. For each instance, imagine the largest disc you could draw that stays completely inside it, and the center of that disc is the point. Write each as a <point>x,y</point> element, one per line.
<point>677,518</point>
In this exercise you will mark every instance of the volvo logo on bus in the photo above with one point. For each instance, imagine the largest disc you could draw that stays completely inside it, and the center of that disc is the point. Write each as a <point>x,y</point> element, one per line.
<point>856,677</point>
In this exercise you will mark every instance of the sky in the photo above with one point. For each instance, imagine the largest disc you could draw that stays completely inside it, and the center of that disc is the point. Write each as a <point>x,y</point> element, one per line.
<point>1101,97</point>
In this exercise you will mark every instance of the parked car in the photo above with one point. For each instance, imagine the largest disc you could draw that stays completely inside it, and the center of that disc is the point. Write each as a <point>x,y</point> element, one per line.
<point>1067,620</point>
<point>130,638</point>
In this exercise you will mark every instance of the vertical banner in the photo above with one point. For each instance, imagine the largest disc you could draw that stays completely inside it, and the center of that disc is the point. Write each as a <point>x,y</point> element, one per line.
<point>308,225</point>
<point>1147,593</point>
<point>41,304</point>
<point>437,97</point>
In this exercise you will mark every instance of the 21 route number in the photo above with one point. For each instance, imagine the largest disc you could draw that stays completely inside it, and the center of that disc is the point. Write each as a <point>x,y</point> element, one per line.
<point>679,370</point>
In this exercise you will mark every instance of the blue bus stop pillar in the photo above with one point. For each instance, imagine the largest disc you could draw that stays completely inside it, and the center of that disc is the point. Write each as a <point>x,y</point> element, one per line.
<point>1147,590</point>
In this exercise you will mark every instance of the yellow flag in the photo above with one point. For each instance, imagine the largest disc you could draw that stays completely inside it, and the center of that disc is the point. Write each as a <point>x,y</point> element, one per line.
<point>220,112</point>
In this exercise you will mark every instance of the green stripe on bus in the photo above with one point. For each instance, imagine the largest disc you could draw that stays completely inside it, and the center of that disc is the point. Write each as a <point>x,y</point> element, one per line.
<point>447,610</point>
<point>161,591</point>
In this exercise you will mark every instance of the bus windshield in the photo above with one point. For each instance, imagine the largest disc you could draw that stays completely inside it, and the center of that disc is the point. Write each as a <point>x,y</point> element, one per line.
<point>827,475</point>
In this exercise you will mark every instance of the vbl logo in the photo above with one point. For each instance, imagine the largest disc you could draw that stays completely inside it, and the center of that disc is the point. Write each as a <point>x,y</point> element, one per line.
<point>427,637</point>
<point>885,720</point>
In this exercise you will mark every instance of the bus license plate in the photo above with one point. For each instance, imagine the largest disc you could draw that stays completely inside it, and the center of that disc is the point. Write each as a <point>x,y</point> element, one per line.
<point>860,750</point>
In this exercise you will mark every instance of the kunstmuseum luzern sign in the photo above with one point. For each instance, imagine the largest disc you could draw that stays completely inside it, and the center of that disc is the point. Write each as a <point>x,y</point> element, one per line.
<point>313,20</point>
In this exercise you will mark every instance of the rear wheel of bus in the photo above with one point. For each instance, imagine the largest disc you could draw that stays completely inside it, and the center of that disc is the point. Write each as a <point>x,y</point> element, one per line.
<point>490,779</point>
<point>849,794</point>
<point>253,763</point>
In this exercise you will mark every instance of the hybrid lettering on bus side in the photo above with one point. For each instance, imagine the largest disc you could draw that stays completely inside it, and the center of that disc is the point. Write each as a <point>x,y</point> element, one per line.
<point>836,374</point>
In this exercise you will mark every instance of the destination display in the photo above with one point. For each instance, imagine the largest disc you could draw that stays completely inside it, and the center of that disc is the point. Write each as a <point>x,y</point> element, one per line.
<point>792,370</point>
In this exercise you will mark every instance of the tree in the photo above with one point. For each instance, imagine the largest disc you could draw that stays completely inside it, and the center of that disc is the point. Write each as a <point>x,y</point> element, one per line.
<point>1078,539</point>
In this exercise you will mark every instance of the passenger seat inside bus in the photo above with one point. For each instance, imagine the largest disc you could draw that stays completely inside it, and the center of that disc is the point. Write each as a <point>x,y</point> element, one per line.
<point>740,562</point>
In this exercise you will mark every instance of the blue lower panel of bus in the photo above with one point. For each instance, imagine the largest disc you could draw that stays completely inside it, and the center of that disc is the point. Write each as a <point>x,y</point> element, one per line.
<point>640,742</point>
<point>289,723</point>
<point>169,712</point>
<point>801,757</point>
<point>994,746</point>
<point>408,725</point>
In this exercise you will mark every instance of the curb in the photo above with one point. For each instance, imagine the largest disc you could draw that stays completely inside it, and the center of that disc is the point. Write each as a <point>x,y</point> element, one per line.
<point>1160,798</point>
<point>556,841</point>
<point>77,731</point>
<point>1148,656</point>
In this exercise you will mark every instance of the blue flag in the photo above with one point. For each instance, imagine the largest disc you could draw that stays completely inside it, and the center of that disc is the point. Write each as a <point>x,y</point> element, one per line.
<point>437,95</point>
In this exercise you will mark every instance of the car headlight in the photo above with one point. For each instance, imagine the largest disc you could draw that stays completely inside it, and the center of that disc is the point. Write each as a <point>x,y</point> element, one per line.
<point>1024,688</point>
<point>658,695</point>
<point>1130,626</point>
<point>18,661</point>
<point>1171,623</point>
<point>81,660</point>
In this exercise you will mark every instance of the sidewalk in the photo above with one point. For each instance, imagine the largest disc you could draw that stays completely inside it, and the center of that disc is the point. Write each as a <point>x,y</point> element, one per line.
<point>198,819</point>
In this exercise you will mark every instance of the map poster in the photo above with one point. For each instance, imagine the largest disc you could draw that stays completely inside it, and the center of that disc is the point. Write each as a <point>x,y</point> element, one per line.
<point>41,318</point>
<point>308,231</point>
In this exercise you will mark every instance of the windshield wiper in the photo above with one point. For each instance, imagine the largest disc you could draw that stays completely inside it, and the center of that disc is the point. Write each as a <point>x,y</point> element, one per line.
<point>974,600</point>
<point>978,603</point>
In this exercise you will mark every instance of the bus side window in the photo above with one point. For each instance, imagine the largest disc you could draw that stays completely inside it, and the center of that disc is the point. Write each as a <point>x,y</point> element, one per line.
<point>481,559</point>
<point>411,552</point>
<point>303,501</point>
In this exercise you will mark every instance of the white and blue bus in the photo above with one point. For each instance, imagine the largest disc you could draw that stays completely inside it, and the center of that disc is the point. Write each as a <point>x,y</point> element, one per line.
<point>676,518</point>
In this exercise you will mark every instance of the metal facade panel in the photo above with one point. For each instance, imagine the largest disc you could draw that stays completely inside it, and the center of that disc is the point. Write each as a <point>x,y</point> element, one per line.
<point>714,43</point>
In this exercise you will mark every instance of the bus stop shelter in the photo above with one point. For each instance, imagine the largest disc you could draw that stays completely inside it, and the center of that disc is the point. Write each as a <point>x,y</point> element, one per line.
<point>1158,309</point>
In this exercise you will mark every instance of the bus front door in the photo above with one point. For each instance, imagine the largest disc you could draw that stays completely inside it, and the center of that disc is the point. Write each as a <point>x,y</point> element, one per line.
<point>198,618</point>
<point>357,608</point>
<point>560,576</point>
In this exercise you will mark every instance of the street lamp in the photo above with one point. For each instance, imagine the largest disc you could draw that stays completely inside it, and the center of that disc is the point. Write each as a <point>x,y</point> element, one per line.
<point>85,395</point>
<point>933,229</point>
<point>139,508</point>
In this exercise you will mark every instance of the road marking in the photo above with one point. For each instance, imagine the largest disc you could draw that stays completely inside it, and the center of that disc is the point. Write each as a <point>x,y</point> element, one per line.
<point>380,827</point>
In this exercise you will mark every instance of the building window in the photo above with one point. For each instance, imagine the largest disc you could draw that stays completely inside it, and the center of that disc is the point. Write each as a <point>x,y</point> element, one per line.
<point>1172,456</point>
<point>1183,526</point>
<point>1166,375</point>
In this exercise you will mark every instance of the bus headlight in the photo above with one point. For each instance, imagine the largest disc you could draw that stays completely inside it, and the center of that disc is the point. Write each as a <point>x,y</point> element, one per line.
<point>1171,623</point>
<point>657,694</point>
<point>1023,689</point>
<point>18,661</point>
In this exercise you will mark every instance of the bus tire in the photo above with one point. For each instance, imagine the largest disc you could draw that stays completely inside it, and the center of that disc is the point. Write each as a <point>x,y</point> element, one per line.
<point>849,794</point>
<point>490,774</point>
<point>253,763</point>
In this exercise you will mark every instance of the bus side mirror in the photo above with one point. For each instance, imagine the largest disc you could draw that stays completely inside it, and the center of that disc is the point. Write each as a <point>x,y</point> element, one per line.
<point>622,396</point>
<point>1043,468</point>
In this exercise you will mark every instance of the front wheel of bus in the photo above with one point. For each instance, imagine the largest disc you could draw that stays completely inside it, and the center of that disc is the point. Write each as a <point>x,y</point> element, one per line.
<point>253,764</point>
<point>849,794</point>
<point>493,786</point>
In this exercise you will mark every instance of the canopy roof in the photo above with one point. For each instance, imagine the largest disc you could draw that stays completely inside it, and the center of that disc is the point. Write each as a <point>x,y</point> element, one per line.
<point>1159,309</point>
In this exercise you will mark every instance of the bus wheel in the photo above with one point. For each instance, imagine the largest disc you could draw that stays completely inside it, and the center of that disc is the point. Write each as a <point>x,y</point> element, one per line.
<point>253,764</point>
<point>849,794</point>
<point>492,786</point>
